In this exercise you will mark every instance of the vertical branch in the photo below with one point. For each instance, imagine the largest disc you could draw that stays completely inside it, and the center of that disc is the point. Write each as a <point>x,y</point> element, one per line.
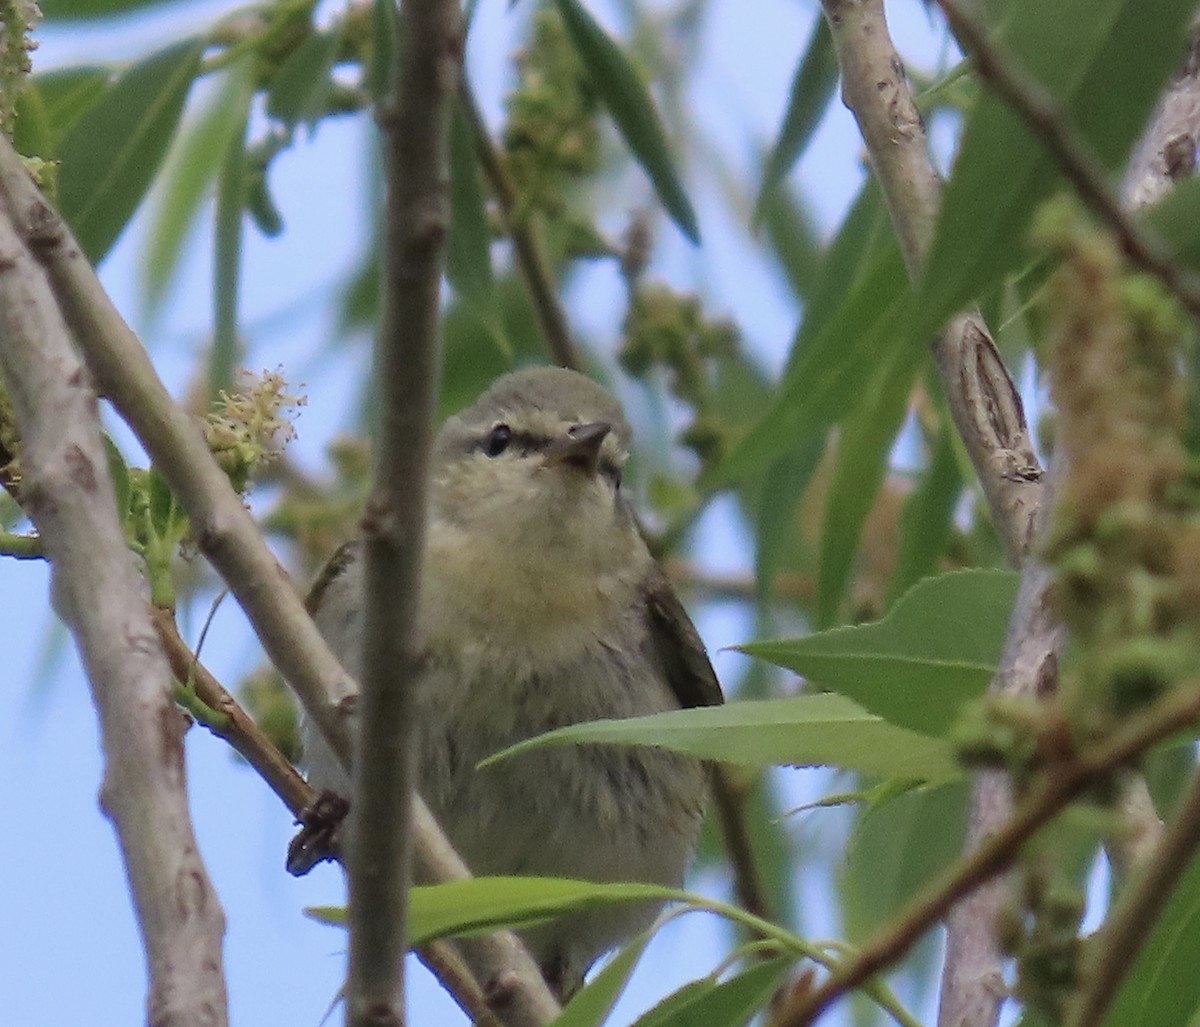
<point>97,591</point>
<point>414,119</point>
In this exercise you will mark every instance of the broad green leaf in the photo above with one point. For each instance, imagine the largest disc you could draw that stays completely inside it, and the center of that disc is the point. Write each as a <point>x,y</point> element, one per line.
<point>481,904</point>
<point>1162,987</point>
<point>802,731</point>
<point>109,156</point>
<point>629,103</point>
<point>934,651</point>
<point>863,449</point>
<point>1106,61</point>
<point>730,1003</point>
<point>899,845</point>
<point>591,1006</point>
<point>51,102</point>
<point>299,90</point>
<point>928,515</point>
<point>190,170</point>
<point>812,86</point>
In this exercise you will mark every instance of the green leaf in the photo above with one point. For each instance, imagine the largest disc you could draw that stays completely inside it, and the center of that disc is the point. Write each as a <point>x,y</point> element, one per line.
<point>227,260</point>
<point>812,86</point>
<point>469,246</point>
<point>803,731</point>
<point>591,1006</point>
<point>629,103</point>
<point>1177,219</point>
<point>191,169</point>
<point>299,90</point>
<point>482,904</point>
<point>863,449</point>
<point>66,10</point>
<point>51,102</point>
<point>897,847</point>
<point>707,1003</point>
<point>934,651</point>
<point>927,517</point>
<point>110,155</point>
<point>826,378</point>
<point>1162,987</point>
<point>782,490</point>
<point>1106,61</point>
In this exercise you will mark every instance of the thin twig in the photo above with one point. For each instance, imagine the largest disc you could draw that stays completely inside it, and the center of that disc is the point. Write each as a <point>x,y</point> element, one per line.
<point>1046,118</point>
<point>67,491</point>
<point>527,245</point>
<point>414,119</point>
<point>1057,786</point>
<point>1114,950</point>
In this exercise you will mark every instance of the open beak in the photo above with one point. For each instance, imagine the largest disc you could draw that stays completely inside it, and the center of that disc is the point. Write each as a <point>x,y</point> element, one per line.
<point>580,448</point>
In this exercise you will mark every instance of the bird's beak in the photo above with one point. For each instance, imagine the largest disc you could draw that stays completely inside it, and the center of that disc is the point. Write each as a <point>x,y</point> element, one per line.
<point>580,448</point>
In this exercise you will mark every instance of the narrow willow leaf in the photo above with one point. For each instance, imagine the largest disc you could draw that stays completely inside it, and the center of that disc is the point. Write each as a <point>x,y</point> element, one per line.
<point>927,517</point>
<point>190,170</point>
<point>469,246</point>
<point>481,904</point>
<point>827,377</point>
<point>812,86</point>
<point>629,103</point>
<point>863,448</point>
<point>782,490</point>
<point>591,1006</point>
<point>67,10</point>
<point>803,731</point>
<point>227,264</point>
<point>109,156</point>
<point>729,1003</point>
<point>934,651</point>
<point>1106,61</point>
<point>1162,987</point>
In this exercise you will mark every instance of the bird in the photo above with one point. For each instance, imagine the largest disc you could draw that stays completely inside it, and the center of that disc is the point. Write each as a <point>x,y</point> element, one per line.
<point>541,606</point>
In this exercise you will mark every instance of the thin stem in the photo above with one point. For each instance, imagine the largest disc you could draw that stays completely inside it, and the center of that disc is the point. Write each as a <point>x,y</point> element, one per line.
<point>527,245</point>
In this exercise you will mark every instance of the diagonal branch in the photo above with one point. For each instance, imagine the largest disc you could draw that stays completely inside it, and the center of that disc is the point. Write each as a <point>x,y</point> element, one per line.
<point>96,590</point>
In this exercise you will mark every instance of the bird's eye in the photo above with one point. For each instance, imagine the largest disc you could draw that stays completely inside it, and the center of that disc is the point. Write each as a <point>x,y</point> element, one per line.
<point>497,440</point>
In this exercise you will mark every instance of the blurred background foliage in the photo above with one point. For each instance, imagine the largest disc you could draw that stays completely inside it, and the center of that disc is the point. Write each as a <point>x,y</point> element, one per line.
<point>796,466</point>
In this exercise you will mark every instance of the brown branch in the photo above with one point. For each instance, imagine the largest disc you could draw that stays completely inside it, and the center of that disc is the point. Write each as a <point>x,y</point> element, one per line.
<point>1114,950</point>
<point>96,590</point>
<point>527,245</point>
<point>1047,119</point>
<point>1057,786</point>
<point>414,119</point>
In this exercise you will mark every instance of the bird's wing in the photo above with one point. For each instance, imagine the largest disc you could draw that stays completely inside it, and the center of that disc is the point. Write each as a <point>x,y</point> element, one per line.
<point>677,645</point>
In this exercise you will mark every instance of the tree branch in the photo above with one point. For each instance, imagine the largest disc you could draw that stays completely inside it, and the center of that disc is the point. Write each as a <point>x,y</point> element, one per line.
<point>1052,791</point>
<point>414,118</point>
<point>96,590</point>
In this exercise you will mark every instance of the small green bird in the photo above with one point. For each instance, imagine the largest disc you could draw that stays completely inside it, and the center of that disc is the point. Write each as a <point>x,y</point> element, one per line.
<point>541,606</point>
